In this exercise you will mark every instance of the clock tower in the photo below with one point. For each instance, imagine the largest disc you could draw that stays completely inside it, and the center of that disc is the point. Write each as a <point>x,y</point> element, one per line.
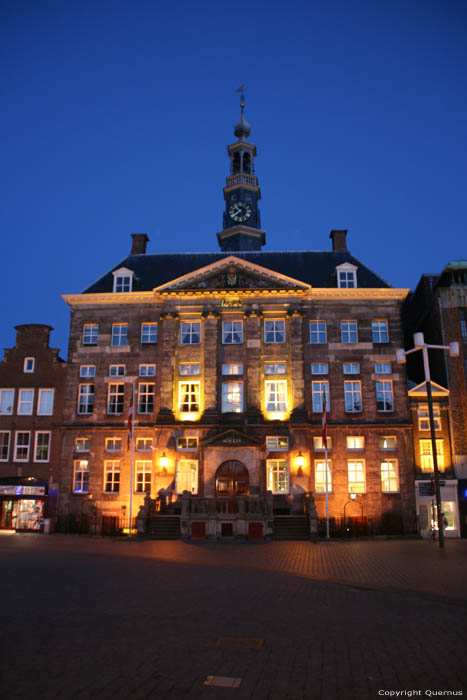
<point>241,229</point>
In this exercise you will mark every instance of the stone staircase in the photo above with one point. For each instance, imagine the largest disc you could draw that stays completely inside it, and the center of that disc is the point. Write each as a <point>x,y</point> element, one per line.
<point>291,527</point>
<point>164,527</point>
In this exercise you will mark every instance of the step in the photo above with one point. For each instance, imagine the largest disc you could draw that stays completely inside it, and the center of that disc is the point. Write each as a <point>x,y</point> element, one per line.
<point>291,527</point>
<point>164,527</point>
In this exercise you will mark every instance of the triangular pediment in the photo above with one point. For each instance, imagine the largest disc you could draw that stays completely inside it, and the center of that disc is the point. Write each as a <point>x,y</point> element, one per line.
<point>232,273</point>
<point>231,438</point>
<point>436,390</point>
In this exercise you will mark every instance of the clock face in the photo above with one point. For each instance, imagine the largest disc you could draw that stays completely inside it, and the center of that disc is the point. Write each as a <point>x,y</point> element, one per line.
<point>239,211</point>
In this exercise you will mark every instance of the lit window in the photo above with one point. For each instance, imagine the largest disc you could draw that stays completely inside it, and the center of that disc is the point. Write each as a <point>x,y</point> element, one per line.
<point>115,398</point>
<point>353,397</point>
<point>25,402</point>
<point>232,397</point>
<point>186,476</point>
<point>116,370</point>
<point>22,440</point>
<point>143,476</point>
<point>122,283</point>
<point>189,370</point>
<point>112,476</point>
<point>277,475</point>
<point>149,332</point>
<point>426,455</point>
<point>145,398</point>
<point>349,332</point>
<point>7,397</point>
<point>384,396</point>
<point>355,442</point>
<point>383,368</point>
<point>90,334</point>
<point>277,442</point>
<point>87,371</point>
<point>318,334</point>
<point>276,396</point>
<point>45,405</point>
<point>424,417</point>
<point>187,443</point>
<point>387,442</point>
<point>318,444</point>
<point>319,368</point>
<point>189,395</point>
<point>320,476</point>
<point>317,391</point>
<point>389,476</point>
<point>379,332</point>
<point>42,446</point>
<point>351,368</point>
<point>275,368</point>
<point>29,363</point>
<point>147,370</point>
<point>4,445</point>
<point>82,444</point>
<point>143,444</point>
<point>119,334</point>
<point>81,476</point>
<point>232,369</point>
<point>356,473</point>
<point>113,444</point>
<point>274,331</point>
<point>190,333</point>
<point>232,332</point>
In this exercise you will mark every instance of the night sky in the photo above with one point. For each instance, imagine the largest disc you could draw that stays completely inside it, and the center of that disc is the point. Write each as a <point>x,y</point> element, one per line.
<point>116,117</point>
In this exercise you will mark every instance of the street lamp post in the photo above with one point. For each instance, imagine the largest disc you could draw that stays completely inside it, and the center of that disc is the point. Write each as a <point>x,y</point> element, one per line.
<point>419,342</point>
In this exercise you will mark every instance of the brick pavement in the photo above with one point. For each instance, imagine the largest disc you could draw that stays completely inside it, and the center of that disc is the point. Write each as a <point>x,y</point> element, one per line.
<point>101,619</point>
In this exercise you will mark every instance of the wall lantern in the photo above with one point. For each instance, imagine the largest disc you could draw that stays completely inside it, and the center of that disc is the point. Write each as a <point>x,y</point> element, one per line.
<point>300,462</point>
<point>163,461</point>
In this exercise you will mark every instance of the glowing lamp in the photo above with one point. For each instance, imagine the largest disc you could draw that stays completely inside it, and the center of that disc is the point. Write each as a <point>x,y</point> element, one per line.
<point>300,460</point>
<point>163,461</point>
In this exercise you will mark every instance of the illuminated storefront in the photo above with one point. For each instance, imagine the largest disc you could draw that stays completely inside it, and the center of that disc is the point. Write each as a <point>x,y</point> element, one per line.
<point>23,504</point>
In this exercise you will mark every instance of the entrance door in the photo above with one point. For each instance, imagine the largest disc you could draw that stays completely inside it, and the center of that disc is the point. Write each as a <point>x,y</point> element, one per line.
<point>232,479</point>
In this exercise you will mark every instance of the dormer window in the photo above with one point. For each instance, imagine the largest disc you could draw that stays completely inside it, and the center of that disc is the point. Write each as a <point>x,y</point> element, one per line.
<point>29,363</point>
<point>123,280</point>
<point>346,276</point>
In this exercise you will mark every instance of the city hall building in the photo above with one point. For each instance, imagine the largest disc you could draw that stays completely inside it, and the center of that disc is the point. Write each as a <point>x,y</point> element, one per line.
<point>229,355</point>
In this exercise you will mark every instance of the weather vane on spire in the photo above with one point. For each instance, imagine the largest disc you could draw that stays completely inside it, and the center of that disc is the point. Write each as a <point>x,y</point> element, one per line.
<point>241,90</point>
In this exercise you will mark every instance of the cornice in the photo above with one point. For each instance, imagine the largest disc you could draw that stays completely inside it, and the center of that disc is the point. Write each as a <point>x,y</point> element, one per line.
<point>109,298</point>
<point>358,293</point>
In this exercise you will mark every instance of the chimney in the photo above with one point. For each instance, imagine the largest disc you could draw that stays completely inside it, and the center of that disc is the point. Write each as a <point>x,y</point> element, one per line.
<point>138,246</point>
<point>338,239</point>
<point>33,334</point>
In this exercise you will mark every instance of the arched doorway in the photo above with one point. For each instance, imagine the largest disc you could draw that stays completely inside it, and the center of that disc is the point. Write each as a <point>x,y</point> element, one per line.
<point>232,479</point>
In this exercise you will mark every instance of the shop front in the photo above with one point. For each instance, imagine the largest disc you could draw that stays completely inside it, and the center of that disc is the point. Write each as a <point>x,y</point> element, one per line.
<point>426,508</point>
<point>23,503</point>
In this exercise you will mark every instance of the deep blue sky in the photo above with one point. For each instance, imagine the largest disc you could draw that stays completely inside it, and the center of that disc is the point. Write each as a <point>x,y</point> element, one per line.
<point>116,116</point>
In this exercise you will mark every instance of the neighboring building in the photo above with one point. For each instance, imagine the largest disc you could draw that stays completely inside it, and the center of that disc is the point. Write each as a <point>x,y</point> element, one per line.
<point>231,353</point>
<point>31,402</point>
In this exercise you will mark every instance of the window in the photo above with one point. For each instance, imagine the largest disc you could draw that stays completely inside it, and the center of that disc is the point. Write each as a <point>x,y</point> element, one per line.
<point>232,369</point>
<point>112,476</point>
<point>319,368</point>
<point>346,276</point>
<point>426,455</point>
<point>274,331</point>
<point>277,475</point>
<point>81,476</point>
<point>351,368</point>
<point>355,442</point>
<point>87,371</point>
<point>149,333</point>
<point>83,444</point>
<point>232,397</point>
<point>424,417</point>
<point>28,366</point>
<point>42,446</point>
<point>146,398</point>
<point>190,333</point>
<point>187,443</point>
<point>46,402</point>
<point>356,472</point>
<point>90,333</point>
<point>190,370</point>
<point>115,398</point>
<point>7,397</point>
<point>353,397</point>
<point>4,445</point>
<point>320,476</point>
<point>22,440</point>
<point>25,402</point>
<point>116,370</point>
<point>189,393</point>
<point>318,445</point>
<point>384,396</point>
<point>275,368</point>
<point>277,442</point>
<point>119,334</point>
<point>113,444</point>
<point>349,332</point>
<point>232,332</point>
<point>318,332</point>
<point>276,396</point>
<point>147,370</point>
<point>143,444</point>
<point>143,476</point>
<point>383,368</point>
<point>317,391</point>
<point>186,476</point>
<point>389,476</point>
<point>387,442</point>
<point>379,332</point>
<point>464,328</point>
<point>122,283</point>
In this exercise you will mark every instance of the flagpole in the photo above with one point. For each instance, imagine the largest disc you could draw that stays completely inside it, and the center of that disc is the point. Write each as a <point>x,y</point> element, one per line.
<point>324,440</point>
<point>132,455</point>
<point>327,495</point>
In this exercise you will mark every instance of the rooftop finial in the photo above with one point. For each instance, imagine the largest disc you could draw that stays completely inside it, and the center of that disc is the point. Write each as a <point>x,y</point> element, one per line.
<point>241,90</point>
<point>242,128</point>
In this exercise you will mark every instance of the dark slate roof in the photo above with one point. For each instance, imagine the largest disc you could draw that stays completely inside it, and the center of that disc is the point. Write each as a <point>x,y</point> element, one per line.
<point>313,267</point>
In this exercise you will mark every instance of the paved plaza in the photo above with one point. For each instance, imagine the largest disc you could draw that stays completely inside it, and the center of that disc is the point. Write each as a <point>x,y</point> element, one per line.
<point>91,618</point>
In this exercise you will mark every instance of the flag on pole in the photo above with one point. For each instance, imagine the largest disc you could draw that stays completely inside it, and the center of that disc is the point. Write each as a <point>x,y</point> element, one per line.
<point>130,422</point>
<point>324,423</point>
